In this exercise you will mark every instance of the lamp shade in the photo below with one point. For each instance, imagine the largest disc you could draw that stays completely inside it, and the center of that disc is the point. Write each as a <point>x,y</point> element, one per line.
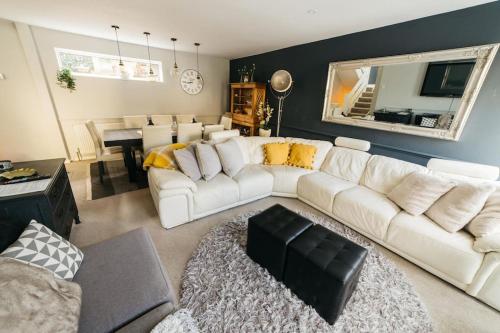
<point>281,80</point>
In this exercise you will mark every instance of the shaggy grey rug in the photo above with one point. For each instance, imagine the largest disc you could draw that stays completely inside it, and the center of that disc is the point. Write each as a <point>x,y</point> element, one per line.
<point>227,292</point>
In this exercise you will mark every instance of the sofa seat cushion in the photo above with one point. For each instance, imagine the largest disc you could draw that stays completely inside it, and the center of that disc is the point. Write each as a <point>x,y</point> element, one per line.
<point>121,279</point>
<point>218,192</point>
<point>320,188</point>
<point>285,178</point>
<point>450,253</point>
<point>254,181</point>
<point>365,209</point>
<point>383,173</point>
<point>164,179</point>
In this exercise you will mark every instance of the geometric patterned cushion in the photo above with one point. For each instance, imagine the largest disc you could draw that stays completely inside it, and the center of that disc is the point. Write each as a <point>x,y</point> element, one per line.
<point>40,246</point>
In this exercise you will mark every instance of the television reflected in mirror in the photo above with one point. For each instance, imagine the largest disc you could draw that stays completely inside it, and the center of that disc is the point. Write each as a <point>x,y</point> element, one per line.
<point>427,94</point>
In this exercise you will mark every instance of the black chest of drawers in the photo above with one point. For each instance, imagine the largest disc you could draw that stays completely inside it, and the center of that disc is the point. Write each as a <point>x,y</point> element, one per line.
<point>54,207</point>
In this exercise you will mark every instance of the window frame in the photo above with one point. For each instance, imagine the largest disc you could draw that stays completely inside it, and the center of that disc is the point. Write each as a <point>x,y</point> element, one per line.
<point>59,50</point>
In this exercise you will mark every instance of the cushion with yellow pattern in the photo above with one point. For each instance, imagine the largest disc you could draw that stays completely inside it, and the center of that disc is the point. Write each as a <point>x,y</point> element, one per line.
<point>163,157</point>
<point>302,155</point>
<point>276,153</point>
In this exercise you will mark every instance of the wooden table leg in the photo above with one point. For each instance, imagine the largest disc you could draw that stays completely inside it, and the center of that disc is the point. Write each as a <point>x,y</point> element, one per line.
<point>130,163</point>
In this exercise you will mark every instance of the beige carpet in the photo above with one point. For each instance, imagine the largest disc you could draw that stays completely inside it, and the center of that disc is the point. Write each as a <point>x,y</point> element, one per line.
<point>451,309</point>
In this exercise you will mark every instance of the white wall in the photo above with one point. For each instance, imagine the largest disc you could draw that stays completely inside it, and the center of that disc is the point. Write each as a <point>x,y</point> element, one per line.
<point>399,86</point>
<point>28,131</point>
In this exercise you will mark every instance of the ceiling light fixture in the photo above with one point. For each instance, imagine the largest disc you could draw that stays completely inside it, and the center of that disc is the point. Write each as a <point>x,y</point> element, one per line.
<point>151,73</point>
<point>198,75</point>
<point>123,70</point>
<point>312,11</point>
<point>175,72</point>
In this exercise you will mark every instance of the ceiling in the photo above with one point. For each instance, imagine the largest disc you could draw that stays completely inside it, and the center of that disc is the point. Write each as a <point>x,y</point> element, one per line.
<point>227,28</point>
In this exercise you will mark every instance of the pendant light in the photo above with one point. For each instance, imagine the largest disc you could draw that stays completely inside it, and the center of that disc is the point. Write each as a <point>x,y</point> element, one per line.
<point>198,74</point>
<point>123,70</point>
<point>175,71</point>
<point>151,73</point>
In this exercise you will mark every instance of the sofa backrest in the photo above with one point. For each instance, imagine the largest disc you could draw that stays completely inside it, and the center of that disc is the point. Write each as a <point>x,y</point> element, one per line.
<point>466,169</point>
<point>383,173</point>
<point>322,149</point>
<point>345,163</point>
<point>251,147</point>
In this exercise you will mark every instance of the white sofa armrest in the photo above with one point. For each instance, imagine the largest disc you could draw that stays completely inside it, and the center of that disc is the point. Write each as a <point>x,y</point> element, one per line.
<point>486,284</point>
<point>165,179</point>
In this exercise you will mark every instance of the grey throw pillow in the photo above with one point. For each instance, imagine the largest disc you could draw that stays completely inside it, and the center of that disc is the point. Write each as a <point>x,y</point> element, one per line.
<point>186,159</point>
<point>230,157</point>
<point>40,246</point>
<point>208,160</point>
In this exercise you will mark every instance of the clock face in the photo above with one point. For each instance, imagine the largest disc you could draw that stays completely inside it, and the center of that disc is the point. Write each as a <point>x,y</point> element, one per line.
<point>191,81</point>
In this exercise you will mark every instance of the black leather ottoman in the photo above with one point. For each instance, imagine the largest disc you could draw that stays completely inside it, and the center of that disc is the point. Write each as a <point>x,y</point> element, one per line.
<point>269,233</point>
<point>323,270</point>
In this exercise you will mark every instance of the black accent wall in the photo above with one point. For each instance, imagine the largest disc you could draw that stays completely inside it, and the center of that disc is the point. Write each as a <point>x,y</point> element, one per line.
<point>308,64</point>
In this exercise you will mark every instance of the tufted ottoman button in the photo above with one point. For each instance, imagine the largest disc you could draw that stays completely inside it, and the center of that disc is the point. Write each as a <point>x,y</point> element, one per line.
<point>333,265</point>
<point>269,233</point>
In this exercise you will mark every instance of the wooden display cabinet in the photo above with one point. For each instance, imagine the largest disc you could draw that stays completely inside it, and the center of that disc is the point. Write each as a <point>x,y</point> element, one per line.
<point>245,99</point>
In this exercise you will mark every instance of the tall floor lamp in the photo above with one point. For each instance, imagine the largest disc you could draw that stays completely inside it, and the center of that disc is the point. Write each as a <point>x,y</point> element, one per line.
<point>281,86</point>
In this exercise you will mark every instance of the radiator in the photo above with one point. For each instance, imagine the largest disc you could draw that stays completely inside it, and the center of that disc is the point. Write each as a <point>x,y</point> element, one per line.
<point>83,146</point>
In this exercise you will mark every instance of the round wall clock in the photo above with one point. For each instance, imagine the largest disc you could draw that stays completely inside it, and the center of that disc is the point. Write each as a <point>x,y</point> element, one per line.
<point>191,81</point>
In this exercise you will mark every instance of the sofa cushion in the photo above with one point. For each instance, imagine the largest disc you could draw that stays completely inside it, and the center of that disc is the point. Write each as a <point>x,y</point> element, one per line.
<point>459,206</point>
<point>351,143</point>
<point>322,149</point>
<point>345,163</point>
<point>302,155</point>
<point>382,173</point>
<point>230,156</point>
<point>208,160</point>
<point>121,279</point>
<point>418,191</point>
<point>254,181</point>
<point>186,159</point>
<point>320,188</point>
<point>422,239</point>
<point>254,147</point>
<point>487,243</point>
<point>218,192</point>
<point>285,178</point>
<point>276,153</point>
<point>488,220</point>
<point>365,209</point>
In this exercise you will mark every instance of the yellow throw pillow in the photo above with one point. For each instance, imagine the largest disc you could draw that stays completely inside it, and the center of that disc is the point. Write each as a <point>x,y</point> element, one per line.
<point>302,155</point>
<point>276,153</point>
<point>163,157</point>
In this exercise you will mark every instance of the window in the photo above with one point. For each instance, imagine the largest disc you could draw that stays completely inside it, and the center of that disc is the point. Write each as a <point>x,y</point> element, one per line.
<point>107,66</point>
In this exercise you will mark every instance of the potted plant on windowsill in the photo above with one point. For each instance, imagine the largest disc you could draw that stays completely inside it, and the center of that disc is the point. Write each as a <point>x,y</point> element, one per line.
<point>264,113</point>
<point>65,79</point>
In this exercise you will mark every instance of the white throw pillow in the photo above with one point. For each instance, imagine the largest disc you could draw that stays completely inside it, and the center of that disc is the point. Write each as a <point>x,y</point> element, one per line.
<point>487,243</point>
<point>186,159</point>
<point>418,191</point>
<point>231,157</point>
<point>208,160</point>
<point>40,246</point>
<point>488,220</point>
<point>459,206</point>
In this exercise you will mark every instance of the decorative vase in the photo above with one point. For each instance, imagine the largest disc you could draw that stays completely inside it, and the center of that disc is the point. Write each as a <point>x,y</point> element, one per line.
<point>264,132</point>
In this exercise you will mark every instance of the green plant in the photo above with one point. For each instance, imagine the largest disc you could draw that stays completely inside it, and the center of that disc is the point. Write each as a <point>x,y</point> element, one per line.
<point>66,80</point>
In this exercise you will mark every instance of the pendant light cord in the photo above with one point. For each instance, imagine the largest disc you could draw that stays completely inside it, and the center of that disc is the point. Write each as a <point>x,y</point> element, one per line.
<point>197,60</point>
<point>149,54</point>
<point>175,56</point>
<point>117,43</point>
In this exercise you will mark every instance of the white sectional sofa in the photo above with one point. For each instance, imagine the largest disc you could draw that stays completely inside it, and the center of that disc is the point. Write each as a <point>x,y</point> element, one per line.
<point>349,185</point>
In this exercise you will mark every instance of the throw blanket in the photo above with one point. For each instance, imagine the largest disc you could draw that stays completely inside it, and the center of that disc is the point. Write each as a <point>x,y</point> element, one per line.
<point>162,157</point>
<point>33,300</point>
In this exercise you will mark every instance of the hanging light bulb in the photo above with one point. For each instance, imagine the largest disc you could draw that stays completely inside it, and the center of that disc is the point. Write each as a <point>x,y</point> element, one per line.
<point>151,73</point>
<point>123,70</point>
<point>175,71</point>
<point>198,74</point>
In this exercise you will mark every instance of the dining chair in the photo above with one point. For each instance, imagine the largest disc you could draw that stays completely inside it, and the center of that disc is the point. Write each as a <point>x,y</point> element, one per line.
<point>135,121</point>
<point>154,136</point>
<point>211,128</point>
<point>103,154</point>
<point>185,118</point>
<point>189,132</point>
<point>226,121</point>
<point>162,119</point>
